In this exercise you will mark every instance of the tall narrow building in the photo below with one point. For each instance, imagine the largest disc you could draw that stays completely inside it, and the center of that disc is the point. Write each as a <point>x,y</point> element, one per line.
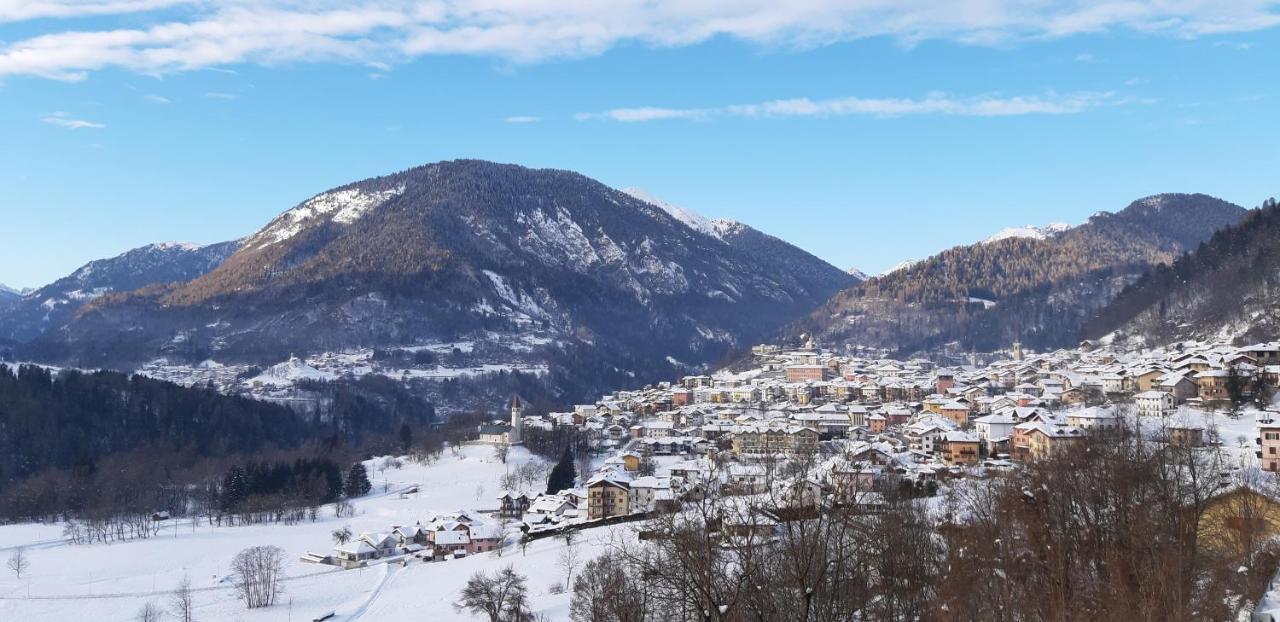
<point>515,436</point>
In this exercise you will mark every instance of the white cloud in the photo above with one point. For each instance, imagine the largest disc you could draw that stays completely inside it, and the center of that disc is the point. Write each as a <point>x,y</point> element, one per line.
<point>159,99</point>
<point>21,10</point>
<point>522,119</point>
<point>631,115</point>
<point>218,95</point>
<point>935,103</point>
<point>212,33</point>
<point>62,119</point>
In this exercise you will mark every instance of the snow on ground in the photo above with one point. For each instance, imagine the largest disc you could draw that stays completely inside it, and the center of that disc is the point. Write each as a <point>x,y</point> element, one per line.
<point>113,581</point>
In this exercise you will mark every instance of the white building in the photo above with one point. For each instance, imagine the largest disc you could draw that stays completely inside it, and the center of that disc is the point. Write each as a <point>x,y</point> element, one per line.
<point>1154,403</point>
<point>994,427</point>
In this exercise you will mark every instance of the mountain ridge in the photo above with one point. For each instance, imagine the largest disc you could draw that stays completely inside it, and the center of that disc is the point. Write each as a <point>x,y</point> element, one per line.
<point>467,247</point>
<point>29,315</point>
<point>1036,290</point>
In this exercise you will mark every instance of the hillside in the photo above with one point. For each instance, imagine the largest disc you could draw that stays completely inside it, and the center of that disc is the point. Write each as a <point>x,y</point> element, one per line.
<point>1039,289</point>
<point>550,266</point>
<point>24,316</point>
<point>1227,287</point>
<point>57,420</point>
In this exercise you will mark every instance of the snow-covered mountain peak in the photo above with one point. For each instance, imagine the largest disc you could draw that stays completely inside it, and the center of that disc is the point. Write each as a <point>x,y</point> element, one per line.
<point>13,291</point>
<point>694,220</point>
<point>186,246</point>
<point>857,274</point>
<point>1029,231</point>
<point>902,265</point>
<point>341,206</point>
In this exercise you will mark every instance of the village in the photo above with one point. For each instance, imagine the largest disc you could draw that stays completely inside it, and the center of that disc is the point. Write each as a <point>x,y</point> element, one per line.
<point>861,426</point>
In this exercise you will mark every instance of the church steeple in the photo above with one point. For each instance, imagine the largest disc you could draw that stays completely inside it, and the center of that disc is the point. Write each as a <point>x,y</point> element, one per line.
<point>514,437</point>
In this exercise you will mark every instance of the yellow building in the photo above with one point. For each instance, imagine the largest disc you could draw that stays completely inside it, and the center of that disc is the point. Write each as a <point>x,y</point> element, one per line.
<point>1239,520</point>
<point>608,496</point>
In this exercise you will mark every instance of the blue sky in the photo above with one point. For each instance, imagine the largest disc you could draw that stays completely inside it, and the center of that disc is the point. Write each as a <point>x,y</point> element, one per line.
<point>866,136</point>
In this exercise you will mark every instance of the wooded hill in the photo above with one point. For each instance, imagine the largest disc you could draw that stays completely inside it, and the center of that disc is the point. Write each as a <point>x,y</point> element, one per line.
<point>984,296</point>
<point>1228,286</point>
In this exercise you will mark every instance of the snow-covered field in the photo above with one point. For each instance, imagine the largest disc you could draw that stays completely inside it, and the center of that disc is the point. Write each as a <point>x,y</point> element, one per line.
<point>113,581</point>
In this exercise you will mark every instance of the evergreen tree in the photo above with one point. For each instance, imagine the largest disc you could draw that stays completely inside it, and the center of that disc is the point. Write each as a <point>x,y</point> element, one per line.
<point>1236,383</point>
<point>358,481</point>
<point>562,474</point>
<point>406,437</point>
<point>234,488</point>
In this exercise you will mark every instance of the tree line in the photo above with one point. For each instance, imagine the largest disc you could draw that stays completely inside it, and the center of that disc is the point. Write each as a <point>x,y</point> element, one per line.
<point>90,445</point>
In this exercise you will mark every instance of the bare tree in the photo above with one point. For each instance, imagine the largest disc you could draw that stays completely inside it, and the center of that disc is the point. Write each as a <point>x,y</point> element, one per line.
<point>569,556</point>
<point>501,450</point>
<point>257,575</point>
<point>18,562</point>
<point>501,597</point>
<point>342,536</point>
<point>149,612</point>
<point>182,602</point>
<point>584,463</point>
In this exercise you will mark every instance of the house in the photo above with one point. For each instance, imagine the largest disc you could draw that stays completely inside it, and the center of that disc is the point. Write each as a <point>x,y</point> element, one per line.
<point>1154,403</point>
<point>747,478</point>
<point>1269,444</point>
<point>1147,380</point>
<point>383,543</point>
<point>957,411</point>
<point>649,492</point>
<point>994,426</point>
<point>1239,519</point>
<point>513,504</point>
<point>355,551</point>
<point>460,533</point>
<point>1180,386</point>
<point>411,535</point>
<point>924,435</point>
<point>1094,419</point>
<point>1212,384</point>
<point>1184,434</point>
<point>608,495</point>
<point>876,423</point>
<point>1037,440</point>
<point>959,448</point>
<point>1072,396</point>
<point>453,542</point>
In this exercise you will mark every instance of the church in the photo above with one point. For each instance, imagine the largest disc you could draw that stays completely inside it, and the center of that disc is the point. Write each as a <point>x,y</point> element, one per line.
<point>511,433</point>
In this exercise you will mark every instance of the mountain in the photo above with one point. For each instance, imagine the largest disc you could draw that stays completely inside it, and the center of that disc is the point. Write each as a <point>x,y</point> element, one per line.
<point>1039,289</point>
<point>8,293</point>
<point>1229,287</point>
<point>32,313</point>
<point>541,265</point>
<point>693,220</point>
<point>1029,231</point>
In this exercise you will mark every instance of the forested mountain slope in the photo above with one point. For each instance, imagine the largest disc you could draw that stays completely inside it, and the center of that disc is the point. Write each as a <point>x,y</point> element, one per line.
<point>1227,287</point>
<point>1039,290</point>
